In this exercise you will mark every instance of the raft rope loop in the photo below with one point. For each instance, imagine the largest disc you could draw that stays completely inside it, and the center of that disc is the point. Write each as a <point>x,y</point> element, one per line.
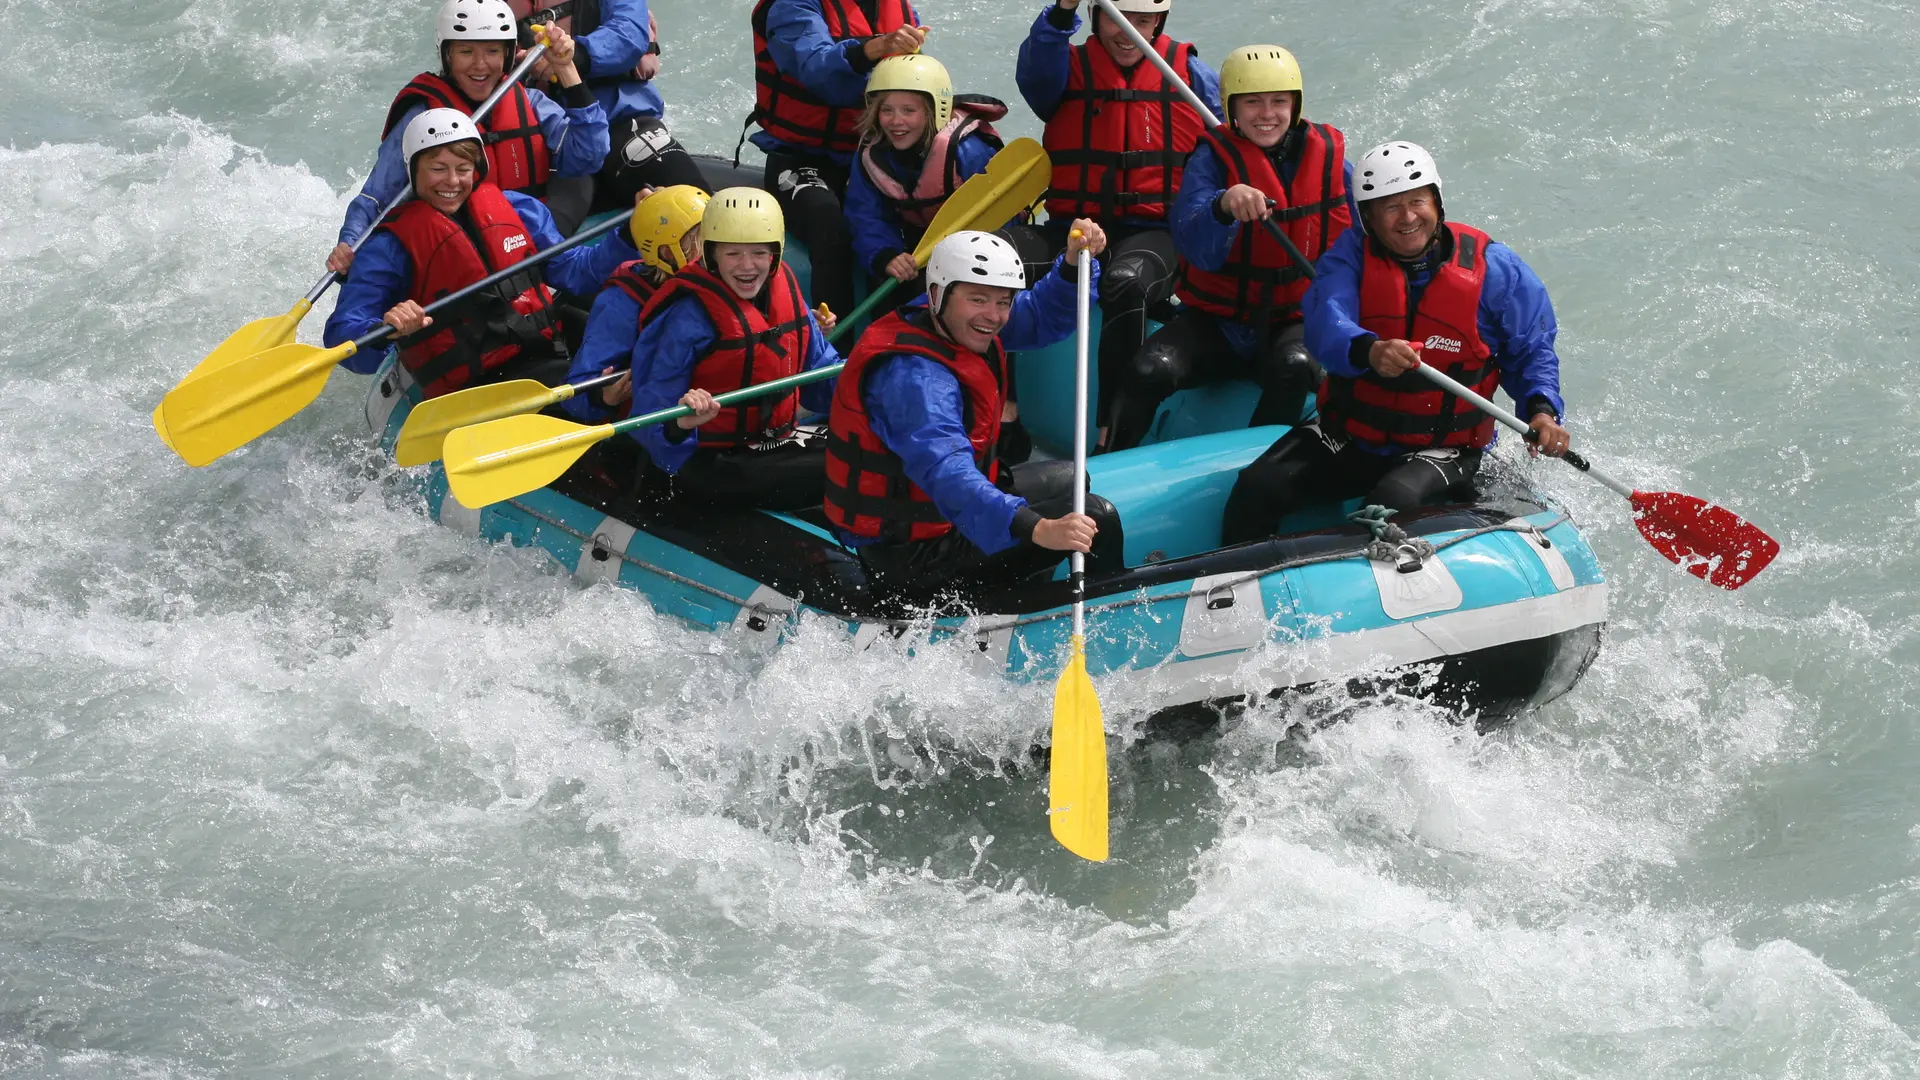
<point>1391,544</point>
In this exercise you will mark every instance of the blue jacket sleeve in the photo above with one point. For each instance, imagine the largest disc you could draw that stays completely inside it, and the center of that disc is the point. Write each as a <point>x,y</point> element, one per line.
<point>1332,306</point>
<point>663,359</point>
<point>388,179</point>
<point>875,227</point>
<point>578,137</point>
<point>1517,323</point>
<point>612,327</point>
<point>818,397</point>
<point>1041,71</point>
<point>614,48</point>
<point>381,277</point>
<point>1199,234</point>
<point>916,409</point>
<point>797,37</point>
<point>1206,84</point>
<point>1049,312</point>
<point>579,270</point>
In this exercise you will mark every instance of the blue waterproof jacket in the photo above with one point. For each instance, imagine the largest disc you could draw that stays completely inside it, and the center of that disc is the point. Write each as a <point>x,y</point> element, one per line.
<point>917,408</point>
<point>1516,321</point>
<point>576,137</point>
<point>612,327</point>
<point>836,71</point>
<point>382,276</point>
<point>611,52</point>
<point>1205,239</point>
<point>878,232</point>
<point>663,359</point>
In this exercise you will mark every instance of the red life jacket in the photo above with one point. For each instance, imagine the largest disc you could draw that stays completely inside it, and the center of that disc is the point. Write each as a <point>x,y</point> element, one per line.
<point>578,18</point>
<point>752,347</point>
<point>786,109</point>
<point>1408,410</point>
<point>868,493</point>
<point>1120,136</point>
<point>940,175</point>
<point>1259,281</point>
<point>517,156</point>
<point>450,253</point>
<point>635,279</point>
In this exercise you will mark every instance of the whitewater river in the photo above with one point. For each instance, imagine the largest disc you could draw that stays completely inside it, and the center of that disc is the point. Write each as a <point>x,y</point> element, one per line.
<point>296,784</point>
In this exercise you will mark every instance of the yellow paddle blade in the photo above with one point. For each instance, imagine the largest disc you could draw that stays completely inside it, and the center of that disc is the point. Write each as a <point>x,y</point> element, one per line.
<point>223,410</point>
<point>497,460</point>
<point>1014,179</point>
<point>1077,783</point>
<point>257,336</point>
<point>425,432</point>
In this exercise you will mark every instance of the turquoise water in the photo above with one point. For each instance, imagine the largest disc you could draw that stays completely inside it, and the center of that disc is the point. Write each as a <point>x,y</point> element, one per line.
<point>293,783</point>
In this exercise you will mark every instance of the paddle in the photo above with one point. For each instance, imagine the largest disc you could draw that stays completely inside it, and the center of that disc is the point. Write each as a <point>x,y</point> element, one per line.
<point>423,435</point>
<point>1077,776</point>
<point>493,462</point>
<point>1016,176</point>
<point>224,410</point>
<point>262,334</point>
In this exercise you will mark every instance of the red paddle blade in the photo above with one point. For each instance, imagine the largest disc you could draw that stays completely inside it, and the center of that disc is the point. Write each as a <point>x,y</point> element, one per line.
<point>1707,541</point>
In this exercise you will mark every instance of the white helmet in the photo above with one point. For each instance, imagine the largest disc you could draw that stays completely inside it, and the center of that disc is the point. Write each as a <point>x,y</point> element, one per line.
<point>1151,7</point>
<point>979,257</point>
<point>1391,168</point>
<point>477,20</point>
<point>438,127</point>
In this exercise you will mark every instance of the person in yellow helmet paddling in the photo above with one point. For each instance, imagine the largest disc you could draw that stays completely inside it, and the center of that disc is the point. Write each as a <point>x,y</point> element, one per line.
<point>1239,288</point>
<point>666,231</point>
<point>730,320</point>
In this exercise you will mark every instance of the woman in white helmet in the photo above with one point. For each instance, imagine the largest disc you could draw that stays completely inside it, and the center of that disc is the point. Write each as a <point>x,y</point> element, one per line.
<point>1119,137</point>
<point>459,228</point>
<point>919,141</point>
<point>728,321</point>
<point>1239,287</point>
<point>913,480</point>
<point>529,137</point>
<point>1407,288</point>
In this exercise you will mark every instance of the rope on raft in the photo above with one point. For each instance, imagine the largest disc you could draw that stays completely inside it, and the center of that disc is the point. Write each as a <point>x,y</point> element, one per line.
<point>1391,544</point>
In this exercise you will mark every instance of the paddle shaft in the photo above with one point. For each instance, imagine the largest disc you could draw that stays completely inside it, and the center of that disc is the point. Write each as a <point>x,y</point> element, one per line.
<point>745,393</point>
<point>386,330</point>
<point>867,307</point>
<point>327,280</point>
<point>1083,310</point>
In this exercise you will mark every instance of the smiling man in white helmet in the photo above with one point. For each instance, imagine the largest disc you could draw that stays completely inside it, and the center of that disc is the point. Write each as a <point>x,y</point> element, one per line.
<point>1405,289</point>
<point>913,480</point>
<point>459,228</point>
<point>529,137</point>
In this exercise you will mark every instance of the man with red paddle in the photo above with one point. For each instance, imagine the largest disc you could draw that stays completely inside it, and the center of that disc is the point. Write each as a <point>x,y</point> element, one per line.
<point>1408,284</point>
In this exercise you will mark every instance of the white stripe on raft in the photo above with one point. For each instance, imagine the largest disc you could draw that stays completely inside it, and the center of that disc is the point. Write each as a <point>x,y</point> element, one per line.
<point>1343,656</point>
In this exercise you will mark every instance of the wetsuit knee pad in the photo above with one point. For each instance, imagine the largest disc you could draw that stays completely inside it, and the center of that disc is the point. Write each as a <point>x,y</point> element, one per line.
<point>1127,280</point>
<point>1158,364</point>
<point>647,142</point>
<point>803,181</point>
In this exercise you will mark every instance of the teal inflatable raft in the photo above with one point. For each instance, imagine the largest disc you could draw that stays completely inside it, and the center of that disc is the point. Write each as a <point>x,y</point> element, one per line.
<point>1506,613</point>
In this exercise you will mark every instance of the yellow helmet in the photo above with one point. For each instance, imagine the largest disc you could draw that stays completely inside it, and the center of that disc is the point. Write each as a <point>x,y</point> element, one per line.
<point>662,220</point>
<point>1261,69</point>
<point>917,72</point>
<point>744,215</point>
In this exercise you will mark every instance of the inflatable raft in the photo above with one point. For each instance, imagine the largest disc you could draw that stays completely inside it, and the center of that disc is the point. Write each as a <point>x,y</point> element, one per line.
<point>1504,614</point>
